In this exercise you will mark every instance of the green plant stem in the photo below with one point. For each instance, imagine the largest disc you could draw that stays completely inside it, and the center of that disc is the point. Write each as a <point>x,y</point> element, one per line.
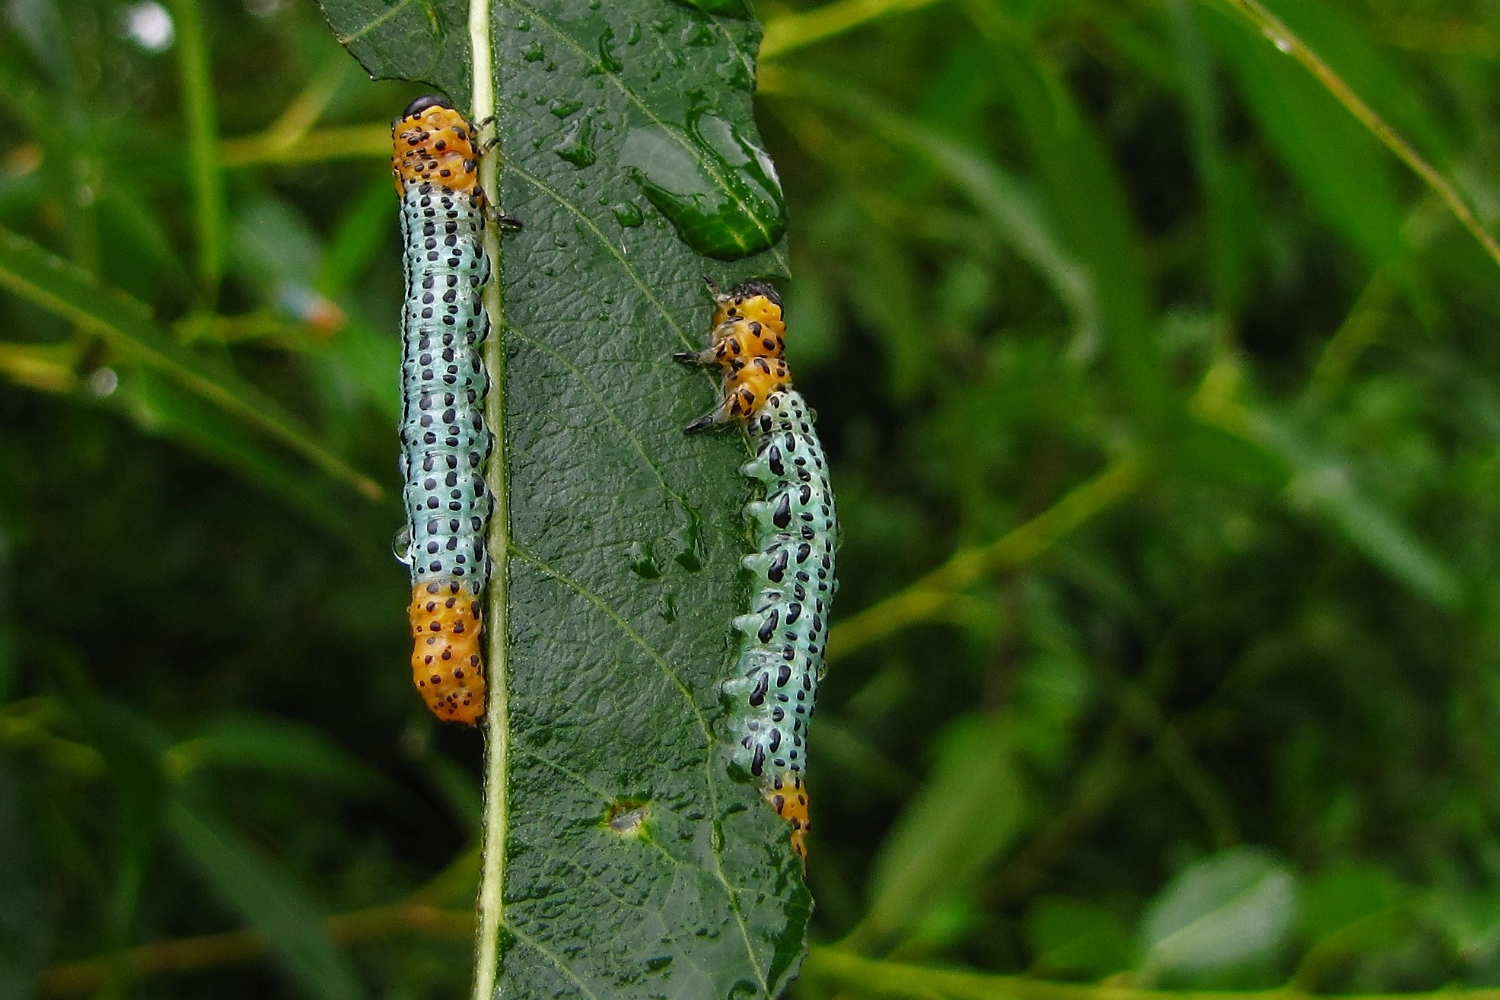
<point>201,119</point>
<point>340,143</point>
<point>874,977</point>
<point>496,825</point>
<point>237,947</point>
<point>1285,40</point>
<point>930,596</point>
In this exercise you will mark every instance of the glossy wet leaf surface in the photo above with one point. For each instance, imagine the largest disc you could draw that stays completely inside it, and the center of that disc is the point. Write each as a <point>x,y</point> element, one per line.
<point>636,867</point>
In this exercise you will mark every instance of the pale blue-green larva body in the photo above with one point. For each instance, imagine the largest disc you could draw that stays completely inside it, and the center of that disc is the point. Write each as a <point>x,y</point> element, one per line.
<point>775,679</point>
<point>786,632</point>
<point>444,441</point>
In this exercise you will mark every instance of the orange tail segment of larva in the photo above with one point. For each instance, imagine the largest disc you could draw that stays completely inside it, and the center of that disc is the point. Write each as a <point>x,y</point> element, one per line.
<point>788,796</point>
<point>446,663</point>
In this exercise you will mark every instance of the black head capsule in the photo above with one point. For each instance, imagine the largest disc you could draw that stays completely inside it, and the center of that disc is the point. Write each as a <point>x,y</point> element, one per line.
<point>424,102</point>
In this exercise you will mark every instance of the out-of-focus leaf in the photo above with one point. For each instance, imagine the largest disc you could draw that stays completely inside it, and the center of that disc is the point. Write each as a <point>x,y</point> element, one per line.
<point>276,746</point>
<point>1230,911</point>
<point>162,406</point>
<point>1076,938</point>
<point>964,816</point>
<point>132,746</point>
<point>1346,44</point>
<point>1332,901</point>
<point>1323,483</point>
<point>362,231</point>
<point>269,899</point>
<point>25,915</point>
<point>1349,911</point>
<point>1087,198</point>
<point>31,272</point>
<point>1006,201</point>
<point>1342,166</point>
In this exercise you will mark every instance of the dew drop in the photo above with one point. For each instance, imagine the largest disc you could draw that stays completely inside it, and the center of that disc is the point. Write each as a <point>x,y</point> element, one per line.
<point>535,53</point>
<point>718,188</point>
<point>563,109</point>
<point>666,607</point>
<point>737,71</point>
<point>1281,41</point>
<point>577,146</point>
<point>103,382</point>
<point>642,562</point>
<point>699,33</point>
<point>687,538</point>
<point>401,545</point>
<point>609,62</point>
<point>628,214</point>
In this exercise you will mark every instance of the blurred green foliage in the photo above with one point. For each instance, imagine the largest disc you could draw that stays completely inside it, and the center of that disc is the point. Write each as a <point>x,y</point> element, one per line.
<point>1160,402</point>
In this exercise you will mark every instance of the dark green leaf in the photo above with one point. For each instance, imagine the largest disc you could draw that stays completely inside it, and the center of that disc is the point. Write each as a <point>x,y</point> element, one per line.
<point>627,144</point>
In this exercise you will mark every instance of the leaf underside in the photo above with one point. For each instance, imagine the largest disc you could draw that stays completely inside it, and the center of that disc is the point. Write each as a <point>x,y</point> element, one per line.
<point>626,535</point>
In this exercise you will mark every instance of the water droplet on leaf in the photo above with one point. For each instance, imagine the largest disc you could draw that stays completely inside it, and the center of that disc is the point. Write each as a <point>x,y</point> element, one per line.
<point>577,146</point>
<point>642,562</point>
<point>628,214</point>
<point>608,61</point>
<point>716,186</point>
<point>687,539</point>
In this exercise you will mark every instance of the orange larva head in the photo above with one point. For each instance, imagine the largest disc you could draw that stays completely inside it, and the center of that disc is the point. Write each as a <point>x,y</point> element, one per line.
<point>752,300</point>
<point>447,664</point>
<point>434,143</point>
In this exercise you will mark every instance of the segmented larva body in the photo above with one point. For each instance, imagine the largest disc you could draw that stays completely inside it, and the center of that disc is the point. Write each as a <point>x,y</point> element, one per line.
<point>444,441</point>
<point>775,681</point>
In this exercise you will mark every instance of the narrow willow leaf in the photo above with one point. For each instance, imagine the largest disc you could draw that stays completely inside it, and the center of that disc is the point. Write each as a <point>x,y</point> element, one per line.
<point>969,810</point>
<point>1340,164</point>
<point>270,899</point>
<point>1230,910</point>
<point>622,858</point>
<point>126,325</point>
<point>1087,199</point>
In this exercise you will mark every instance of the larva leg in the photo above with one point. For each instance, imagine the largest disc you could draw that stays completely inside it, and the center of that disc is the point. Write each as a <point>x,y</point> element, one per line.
<point>716,417</point>
<point>698,359</point>
<point>505,223</point>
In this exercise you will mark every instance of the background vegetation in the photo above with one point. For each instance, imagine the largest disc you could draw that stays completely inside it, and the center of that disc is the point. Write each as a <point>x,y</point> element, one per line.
<point>1161,402</point>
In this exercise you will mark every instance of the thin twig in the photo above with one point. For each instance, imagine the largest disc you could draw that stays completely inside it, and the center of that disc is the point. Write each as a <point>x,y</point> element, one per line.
<point>1286,41</point>
<point>930,596</point>
<point>236,947</point>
